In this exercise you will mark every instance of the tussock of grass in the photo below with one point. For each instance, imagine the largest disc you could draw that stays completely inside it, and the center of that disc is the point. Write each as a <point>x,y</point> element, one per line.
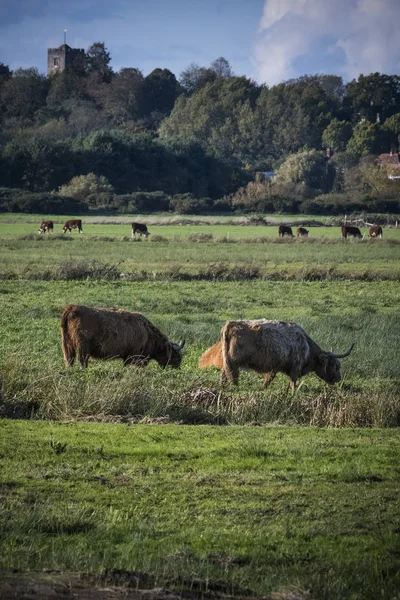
<point>53,237</point>
<point>137,396</point>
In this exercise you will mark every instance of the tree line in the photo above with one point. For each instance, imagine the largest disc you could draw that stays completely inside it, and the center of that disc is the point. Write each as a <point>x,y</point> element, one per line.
<point>99,139</point>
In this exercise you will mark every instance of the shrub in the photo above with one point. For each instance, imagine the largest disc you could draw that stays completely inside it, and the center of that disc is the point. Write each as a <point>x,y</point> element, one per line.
<point>141,202</point>
<point>187,204</point>
<point>17,200</point>
<point>90,189</point>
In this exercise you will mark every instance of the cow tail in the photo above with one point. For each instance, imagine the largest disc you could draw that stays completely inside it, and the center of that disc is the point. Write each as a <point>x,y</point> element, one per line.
<point>68,347</point>
<point>228,370</point>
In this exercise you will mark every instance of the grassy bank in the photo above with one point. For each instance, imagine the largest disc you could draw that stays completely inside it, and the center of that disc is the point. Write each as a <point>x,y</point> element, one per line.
<point>251,510</point>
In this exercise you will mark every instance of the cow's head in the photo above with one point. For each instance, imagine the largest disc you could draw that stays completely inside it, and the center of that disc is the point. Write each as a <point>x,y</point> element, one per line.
<point>328,366</point>
<point>170,355</point>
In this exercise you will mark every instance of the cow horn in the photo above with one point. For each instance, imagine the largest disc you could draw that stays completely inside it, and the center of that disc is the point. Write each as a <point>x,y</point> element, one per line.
<point>343,355</point>
<point>178,346</point>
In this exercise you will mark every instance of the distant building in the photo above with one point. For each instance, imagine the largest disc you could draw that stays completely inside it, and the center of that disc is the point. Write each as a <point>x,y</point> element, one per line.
<point>59,59</point>
<point>391,162</point>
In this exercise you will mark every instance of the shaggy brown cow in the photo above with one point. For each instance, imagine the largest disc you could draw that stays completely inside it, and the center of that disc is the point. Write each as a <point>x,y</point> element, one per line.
<point>73,224</point>
<point>285,230</point>
<point>269,347</point>
<point>301,232</point>
<point>113,333</point>
<point>141,229</point>
<point>212,357</point>
<point>46,227</point>
<point>350,230</point>
<point>375,231</point>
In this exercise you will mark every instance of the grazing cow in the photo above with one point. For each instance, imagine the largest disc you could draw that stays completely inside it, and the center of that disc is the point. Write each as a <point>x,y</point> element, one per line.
<point>350,230</point>
<point>212,357</point>
<point>139,228</point>
<point>46,227</point>
<point>375,231</point>
<point>301,232</point>
<point>285,230</point>
<point>269,347</point>
<point>73,224</point>
<point>113,333</point>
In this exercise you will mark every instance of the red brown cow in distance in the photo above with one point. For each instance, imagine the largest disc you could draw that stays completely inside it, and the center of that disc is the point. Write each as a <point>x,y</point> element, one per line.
<point>112,333</point>
<point>212,357</point>
<point>350,230</point>
<point>375,231</point>
<point>140,228</point>
<point>269,347</point>
<point>46,227</point>
<point>301,232</point>
<point>73,224</point>
<point>285,230</point>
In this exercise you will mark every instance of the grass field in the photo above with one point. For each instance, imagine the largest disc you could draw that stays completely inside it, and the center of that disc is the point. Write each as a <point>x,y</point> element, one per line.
<point>263,509</point>
<point>235,510</point>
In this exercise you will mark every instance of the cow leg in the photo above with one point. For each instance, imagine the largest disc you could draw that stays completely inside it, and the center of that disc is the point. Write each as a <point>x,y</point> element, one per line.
<point>84,354</point>
<point>231,376</point>
<point>268,378</point>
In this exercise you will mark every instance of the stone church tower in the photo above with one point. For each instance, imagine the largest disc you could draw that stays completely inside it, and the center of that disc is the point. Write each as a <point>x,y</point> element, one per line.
<point>59,59</point>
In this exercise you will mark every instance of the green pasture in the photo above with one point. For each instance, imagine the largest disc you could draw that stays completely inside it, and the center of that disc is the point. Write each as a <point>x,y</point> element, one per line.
<point>14,224</point>
<point>245,511</point>
<point>176,251</point>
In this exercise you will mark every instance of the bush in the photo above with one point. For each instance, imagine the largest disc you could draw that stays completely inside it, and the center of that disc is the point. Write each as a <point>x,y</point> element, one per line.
<point>17,200</point>
<point>141,202</point>
<point>187,204</point>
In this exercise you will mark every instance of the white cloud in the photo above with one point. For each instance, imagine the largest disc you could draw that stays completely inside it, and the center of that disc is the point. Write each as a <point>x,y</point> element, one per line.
<point>363,32</point>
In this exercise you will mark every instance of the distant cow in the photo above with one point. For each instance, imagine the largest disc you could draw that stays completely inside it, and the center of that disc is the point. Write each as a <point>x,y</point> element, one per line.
<point>301,232</point>
<point>46,227</point>
<point>139,228</point>
<point>112,333</point>
<point>350,230</point>
<point>375,231</point>
<point>212,357</point>
<point>73,224</point>
<point>269,347</point>
<point>285,230</point>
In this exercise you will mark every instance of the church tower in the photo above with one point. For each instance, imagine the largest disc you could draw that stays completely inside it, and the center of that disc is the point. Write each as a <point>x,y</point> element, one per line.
<point>59,59</point>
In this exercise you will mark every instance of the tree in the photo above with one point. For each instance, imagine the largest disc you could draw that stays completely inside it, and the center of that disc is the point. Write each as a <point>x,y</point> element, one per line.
<point>391,131</point>
<point>366,139</point>
<point>373,95</point>
<point>36,163</point>
<point>222,68</point>
<point>308,168</point>
<point>194,78</point>
<point>160,91</point>
<point>23,94</point>
<point>213,115</point>
<point>337,135</point>
<point>5,73</point>
<point>98,60</point>
<point>122,99</point>
<point>90,189</point>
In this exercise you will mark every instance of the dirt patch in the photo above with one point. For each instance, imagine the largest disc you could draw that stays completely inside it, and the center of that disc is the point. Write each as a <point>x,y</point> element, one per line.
<point>118,585</point>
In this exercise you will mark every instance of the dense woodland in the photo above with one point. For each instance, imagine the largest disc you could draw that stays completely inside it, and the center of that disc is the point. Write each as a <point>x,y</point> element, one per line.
<point>93,139</point>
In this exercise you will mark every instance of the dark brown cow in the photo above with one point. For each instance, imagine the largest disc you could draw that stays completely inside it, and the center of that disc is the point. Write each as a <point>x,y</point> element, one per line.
<point>285,230</point>
<point>139,228</point>
<point>73,224</point>
<point>269,347</point>
<point>212,357</point>
<point>375,231</point>
<point>301,232</point>
<point>106,333</point>
<point>46,227</point>
<point>352,231</point>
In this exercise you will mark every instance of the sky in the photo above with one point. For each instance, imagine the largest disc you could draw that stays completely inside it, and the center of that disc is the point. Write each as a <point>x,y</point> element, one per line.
<point>267,40</point>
